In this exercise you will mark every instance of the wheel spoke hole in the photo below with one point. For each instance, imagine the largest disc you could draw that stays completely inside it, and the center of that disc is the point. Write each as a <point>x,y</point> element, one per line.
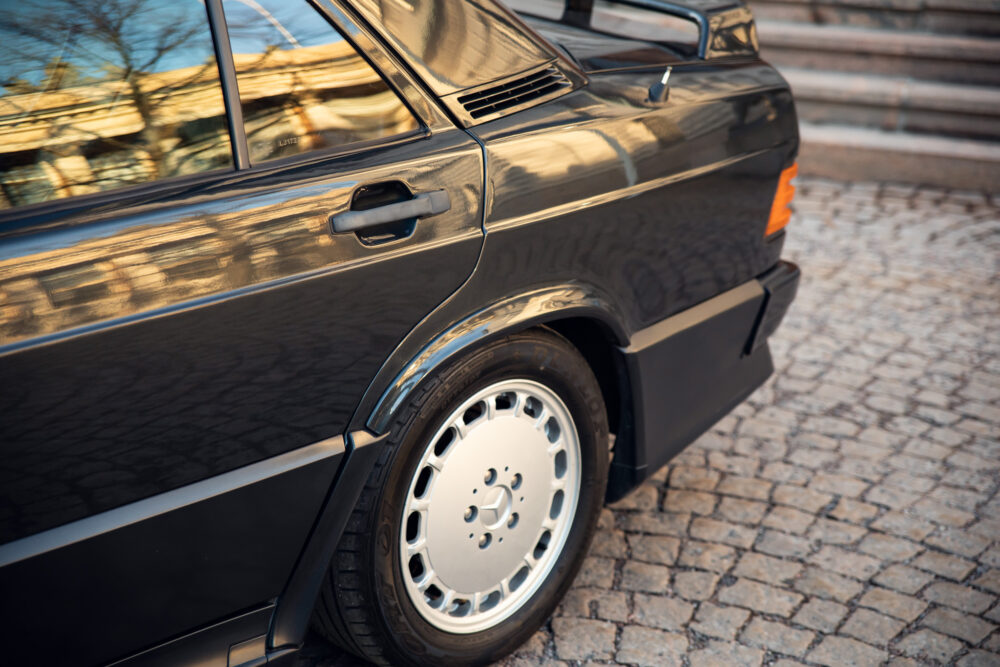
<point>560,464</point>
<point>490,476</point>
<point>474,413</point>
<point>416,566</point>
<point>506,400</point>
<point>518,578</point>
<point>512,521</point>
<point>433,596</point>
<point>412,527</point>
<point>516,482</point>
<point>485,540</point>
<point>444,442</point>
<point>471,512</point>
<point>557,504</point>
<point>460,607</point>
<point>542,545</point>
<point>490,601</point>
<point>552,430</point>
<point>533,407</point>
<point>423,482</point>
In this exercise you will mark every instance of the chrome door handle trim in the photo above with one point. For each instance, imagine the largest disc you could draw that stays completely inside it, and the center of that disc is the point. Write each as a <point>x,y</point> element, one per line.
<point>421,206</point>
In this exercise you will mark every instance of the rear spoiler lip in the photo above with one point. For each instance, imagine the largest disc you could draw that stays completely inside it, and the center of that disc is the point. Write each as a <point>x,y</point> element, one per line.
<point>711,18</point>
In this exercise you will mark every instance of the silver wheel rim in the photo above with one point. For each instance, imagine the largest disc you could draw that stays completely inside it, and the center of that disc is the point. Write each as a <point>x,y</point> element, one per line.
<point>490,506</point>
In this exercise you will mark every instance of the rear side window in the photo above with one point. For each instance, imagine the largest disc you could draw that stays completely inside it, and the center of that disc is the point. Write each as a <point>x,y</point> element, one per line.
<point>645,24</point>
<point>302,86</point>
<point>100,95</point>
<point>455,44</point>
<point>546,9</point>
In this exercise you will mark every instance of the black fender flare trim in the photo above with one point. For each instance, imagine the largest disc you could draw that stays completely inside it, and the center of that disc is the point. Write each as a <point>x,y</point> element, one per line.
<point>503,317</point>
<point>295,605</point>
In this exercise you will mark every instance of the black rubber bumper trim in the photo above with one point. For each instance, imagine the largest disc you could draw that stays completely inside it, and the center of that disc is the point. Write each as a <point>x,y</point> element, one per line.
<point>780,285</point>
<point>689,370</point>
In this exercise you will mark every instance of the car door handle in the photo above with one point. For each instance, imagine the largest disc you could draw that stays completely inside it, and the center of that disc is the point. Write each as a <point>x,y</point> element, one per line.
<point>421,206</point>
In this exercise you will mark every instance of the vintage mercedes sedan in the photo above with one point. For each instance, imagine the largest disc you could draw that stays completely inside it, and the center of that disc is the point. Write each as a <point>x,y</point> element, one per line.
<point>352,314</point>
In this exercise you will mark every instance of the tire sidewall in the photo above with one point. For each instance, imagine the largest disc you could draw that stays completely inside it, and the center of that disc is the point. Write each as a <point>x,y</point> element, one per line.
<point>541,358</point>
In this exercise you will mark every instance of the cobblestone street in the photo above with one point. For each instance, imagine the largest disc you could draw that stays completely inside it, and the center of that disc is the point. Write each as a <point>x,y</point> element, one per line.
<point>849,512</point>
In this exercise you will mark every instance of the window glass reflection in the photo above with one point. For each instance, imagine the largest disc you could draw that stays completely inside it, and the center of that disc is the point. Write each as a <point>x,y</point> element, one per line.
<point>96,96</point>
<point>546,9</point>
<point>303,87</point>
<point>639,23</point>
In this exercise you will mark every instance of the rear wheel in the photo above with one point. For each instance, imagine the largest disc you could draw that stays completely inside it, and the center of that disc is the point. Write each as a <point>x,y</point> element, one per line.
<point>479,512</point>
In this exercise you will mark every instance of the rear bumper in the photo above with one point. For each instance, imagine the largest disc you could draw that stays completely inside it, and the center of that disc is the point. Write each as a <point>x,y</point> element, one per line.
<point>689,370</point>
<point>780,286</point>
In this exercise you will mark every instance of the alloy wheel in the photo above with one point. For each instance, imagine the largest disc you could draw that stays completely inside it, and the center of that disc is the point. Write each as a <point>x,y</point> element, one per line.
<point>489,506</point>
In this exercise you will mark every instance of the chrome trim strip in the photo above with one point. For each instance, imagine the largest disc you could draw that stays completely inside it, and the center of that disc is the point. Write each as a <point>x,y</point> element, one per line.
<point>120,517</point>
<point>686,319</point>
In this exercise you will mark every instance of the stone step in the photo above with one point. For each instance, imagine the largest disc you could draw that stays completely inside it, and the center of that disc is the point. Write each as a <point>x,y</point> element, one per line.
<point>896,103</point>
<point>846,152</point>
<point>924,56</point>
<point>957,17</point>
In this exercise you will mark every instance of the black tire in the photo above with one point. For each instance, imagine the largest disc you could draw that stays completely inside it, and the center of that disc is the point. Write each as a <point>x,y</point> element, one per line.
<point>364,606</point>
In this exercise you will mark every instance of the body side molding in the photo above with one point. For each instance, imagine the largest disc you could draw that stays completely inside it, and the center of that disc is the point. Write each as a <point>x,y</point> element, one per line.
<point>142,510</point>
<point>199,554</point>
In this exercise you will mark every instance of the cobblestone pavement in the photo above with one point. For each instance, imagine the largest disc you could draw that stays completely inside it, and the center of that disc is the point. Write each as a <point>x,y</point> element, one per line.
<point>849,511</point>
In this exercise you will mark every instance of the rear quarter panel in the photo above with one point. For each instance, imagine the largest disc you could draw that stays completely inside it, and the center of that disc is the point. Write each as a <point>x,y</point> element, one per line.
<point>662,206</point>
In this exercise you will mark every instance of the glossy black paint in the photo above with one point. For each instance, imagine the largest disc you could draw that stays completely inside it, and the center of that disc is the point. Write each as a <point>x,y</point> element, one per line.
<point>599,191</point>
<point>182,330</point>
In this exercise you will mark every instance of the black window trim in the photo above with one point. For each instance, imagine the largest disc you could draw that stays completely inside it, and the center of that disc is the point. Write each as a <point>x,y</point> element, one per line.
<point>227,77</point>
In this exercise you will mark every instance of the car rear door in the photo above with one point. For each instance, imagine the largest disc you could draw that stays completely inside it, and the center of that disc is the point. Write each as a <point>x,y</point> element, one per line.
<point>172,311</point>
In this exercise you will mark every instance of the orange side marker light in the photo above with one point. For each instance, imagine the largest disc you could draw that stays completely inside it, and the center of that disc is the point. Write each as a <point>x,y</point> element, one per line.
<point>780,211</point>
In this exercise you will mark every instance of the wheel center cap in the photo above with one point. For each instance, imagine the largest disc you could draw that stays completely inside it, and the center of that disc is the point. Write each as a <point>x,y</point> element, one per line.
<point>496,507</point>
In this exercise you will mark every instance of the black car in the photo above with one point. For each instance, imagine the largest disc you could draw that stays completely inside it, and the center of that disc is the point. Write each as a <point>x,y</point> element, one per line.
<point>354,313</point>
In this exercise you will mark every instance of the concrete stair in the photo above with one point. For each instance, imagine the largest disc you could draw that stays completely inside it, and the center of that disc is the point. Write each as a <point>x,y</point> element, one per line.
<point>897,90</point>
<point>955,58</point>
<point>950,17</point>
<point>896,103</point>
